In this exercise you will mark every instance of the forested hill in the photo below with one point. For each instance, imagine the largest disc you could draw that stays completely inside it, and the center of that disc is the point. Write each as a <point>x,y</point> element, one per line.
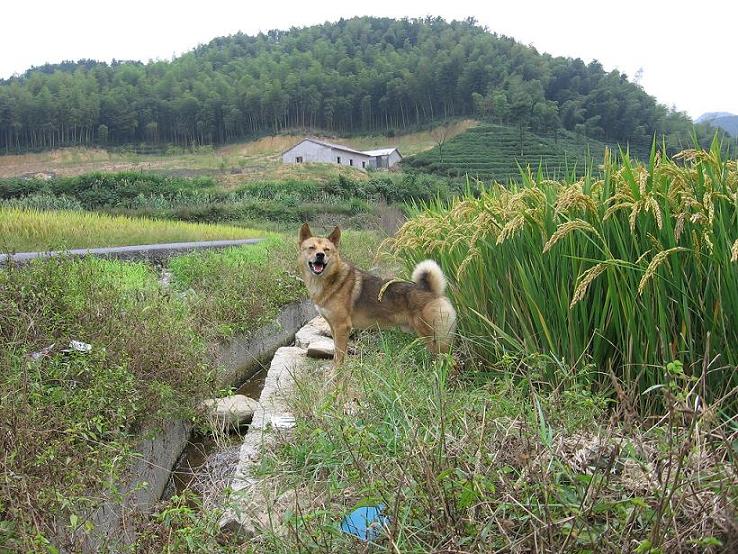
<point>360,74</point>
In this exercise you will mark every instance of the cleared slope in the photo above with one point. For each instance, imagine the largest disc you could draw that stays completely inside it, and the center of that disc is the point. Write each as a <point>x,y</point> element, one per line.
<point>231,165</point>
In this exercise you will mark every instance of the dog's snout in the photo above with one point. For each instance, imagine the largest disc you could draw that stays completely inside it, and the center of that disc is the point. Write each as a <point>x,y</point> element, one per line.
<point>319,255</point>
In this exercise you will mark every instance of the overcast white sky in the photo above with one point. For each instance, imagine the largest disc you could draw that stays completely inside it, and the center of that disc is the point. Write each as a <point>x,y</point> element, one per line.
<point>687,50</point>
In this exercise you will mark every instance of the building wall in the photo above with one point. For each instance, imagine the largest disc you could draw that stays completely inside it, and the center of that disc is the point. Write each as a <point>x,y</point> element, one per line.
<point>394,157</point>
<point>384,162</point>
<point>310,152</point>
<point>346,158</point>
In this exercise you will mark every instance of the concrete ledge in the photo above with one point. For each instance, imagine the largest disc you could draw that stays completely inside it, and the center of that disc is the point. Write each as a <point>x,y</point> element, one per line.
<point>156,253</point>
<point>242,356</point>
<point>139,490</point>
<point>245,511</point>
<point>249,509</point>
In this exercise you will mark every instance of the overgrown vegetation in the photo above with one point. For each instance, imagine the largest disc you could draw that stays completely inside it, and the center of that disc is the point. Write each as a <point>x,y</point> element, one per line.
<point>466,460</point>
<point>100,190</point>
<point>356,203</point>
<point>629,272</point>
<point>23,230</point>
<point>69,420</point>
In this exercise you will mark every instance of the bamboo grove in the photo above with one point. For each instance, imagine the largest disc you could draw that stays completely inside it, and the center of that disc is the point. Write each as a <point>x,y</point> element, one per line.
<point>361,74</point>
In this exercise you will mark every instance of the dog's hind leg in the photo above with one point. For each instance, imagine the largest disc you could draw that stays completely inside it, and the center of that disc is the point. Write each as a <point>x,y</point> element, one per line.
<point>436,325</point>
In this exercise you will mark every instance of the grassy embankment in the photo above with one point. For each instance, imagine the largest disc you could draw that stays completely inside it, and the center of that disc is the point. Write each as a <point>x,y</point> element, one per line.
<point>591,410</point>
<point>69,420</point>
<point>472,460</point>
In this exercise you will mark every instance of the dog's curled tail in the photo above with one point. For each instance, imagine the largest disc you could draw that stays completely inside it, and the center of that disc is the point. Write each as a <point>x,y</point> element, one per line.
<point>429,276</point>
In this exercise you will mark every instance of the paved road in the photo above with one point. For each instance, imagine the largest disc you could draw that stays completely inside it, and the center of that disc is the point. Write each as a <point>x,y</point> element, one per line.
<point>151,252</point>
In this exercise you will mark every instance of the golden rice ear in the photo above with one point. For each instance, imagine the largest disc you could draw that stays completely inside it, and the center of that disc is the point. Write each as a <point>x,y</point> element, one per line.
<point>335,236</point>
<point>305,232</point>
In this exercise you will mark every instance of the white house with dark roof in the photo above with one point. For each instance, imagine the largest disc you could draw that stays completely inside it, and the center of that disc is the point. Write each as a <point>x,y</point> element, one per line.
<point>313,150</point>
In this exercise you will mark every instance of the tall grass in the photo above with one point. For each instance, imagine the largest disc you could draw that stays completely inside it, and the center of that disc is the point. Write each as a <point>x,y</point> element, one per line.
<point>630,271</point>
<point>26,230</point>
<point>464,463</point>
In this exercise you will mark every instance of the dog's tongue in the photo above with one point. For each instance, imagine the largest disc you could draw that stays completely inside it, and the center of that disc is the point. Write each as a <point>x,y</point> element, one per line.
<point>318,267</point>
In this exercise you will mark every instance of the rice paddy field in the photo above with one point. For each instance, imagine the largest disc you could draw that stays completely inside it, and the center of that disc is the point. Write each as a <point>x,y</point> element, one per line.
<point>589,404</point>
<point>25,230</point>
<point>631,278</point>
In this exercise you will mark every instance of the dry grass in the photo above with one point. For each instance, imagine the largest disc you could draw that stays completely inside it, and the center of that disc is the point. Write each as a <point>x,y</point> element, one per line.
<point>411,143</point>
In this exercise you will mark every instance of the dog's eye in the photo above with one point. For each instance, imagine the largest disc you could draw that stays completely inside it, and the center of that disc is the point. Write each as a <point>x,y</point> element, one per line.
<point>327,249</point>
<point>311,248</point>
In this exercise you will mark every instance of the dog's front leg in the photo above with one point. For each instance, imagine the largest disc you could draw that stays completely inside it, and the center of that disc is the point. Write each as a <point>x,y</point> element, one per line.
<point>340,337</point>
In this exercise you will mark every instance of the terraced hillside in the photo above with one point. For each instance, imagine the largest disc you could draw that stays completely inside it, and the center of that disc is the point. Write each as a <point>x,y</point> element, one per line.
<point>495,152</point>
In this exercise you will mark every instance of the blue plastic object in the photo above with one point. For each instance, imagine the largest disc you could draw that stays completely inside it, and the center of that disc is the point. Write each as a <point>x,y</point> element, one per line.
<point>365,523</point>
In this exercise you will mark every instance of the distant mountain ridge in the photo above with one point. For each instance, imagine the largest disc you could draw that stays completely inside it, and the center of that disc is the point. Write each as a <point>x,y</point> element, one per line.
<point>709,116</point>
<point>724,120</point>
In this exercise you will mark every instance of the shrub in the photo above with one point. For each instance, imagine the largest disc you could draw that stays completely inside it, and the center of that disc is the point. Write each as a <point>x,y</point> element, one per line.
<point>107,190</point>
<point>45,201</point>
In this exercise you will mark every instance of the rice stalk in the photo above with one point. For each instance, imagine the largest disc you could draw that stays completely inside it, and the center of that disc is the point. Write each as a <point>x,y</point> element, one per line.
<point>512,292</point>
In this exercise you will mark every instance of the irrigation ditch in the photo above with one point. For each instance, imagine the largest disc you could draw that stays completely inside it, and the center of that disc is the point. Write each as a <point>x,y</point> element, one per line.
<point>153,253</point>
<point>168,460</point>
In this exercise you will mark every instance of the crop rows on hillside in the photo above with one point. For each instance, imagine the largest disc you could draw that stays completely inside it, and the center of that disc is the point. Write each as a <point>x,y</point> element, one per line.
<point>495,152</point>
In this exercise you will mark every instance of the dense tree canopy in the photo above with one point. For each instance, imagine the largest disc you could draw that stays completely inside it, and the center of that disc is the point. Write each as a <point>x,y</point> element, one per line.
<point>357,74</point>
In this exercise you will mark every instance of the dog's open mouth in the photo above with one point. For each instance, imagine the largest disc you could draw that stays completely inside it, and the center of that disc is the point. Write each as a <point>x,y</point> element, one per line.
<point>317,267</point>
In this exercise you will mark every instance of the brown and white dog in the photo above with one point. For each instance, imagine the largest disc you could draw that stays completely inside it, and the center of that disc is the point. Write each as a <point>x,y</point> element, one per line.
<point>349,298</point>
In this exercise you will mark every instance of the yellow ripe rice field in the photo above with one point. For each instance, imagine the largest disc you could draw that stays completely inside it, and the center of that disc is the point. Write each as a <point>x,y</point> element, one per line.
<point>24,230</point>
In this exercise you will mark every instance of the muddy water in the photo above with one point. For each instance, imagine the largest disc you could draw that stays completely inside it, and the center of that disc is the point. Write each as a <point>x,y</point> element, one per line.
<point>200,446</point>
<point>253,386</point>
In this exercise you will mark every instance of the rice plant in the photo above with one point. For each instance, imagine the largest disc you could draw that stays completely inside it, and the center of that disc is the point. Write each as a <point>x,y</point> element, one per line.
<point>28,229</point>
<point>630,270</point>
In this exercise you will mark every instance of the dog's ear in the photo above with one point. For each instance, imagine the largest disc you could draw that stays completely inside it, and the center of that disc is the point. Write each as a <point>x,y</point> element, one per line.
<point>305,232</point>
<point>335,236</point>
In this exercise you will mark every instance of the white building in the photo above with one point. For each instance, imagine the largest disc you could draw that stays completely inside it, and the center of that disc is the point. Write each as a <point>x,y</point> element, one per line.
<point>383,158</point>
<point>312,150</point>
